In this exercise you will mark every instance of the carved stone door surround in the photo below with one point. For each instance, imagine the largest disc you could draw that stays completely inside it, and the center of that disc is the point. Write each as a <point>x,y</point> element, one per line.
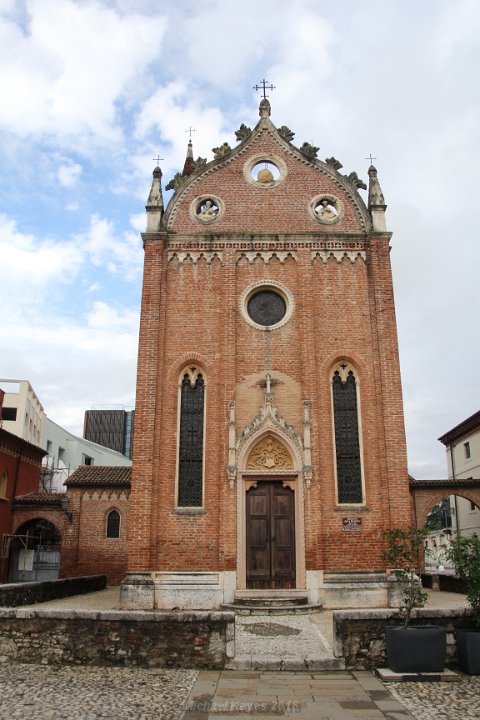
<point>270,457</point>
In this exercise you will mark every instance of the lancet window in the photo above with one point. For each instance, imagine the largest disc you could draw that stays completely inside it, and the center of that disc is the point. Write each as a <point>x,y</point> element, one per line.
<point>113,524</point>
<point>347,435</point>
<point>191,438</point>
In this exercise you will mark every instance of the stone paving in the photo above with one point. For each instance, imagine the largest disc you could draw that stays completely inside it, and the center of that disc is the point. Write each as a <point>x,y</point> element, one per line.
<point>236,695</point>
<point>286,642</point>
<point>89,693</point>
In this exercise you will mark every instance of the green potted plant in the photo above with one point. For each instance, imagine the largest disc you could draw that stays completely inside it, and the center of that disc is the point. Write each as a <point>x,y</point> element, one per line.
<point>419,648</point>
<point>464,552</point>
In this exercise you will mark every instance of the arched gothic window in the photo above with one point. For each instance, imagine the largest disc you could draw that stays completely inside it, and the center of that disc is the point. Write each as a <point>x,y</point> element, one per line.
<point>113,524</point>
<point>191,440</point>
<point>347,436</point>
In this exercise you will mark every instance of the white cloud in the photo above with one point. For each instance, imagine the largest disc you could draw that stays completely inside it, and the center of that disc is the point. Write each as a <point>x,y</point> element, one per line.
<point>63,73</point>
<point>171,110</point>
<point>32,269</point>
<point>104,317</point>
<point>103,246</point>
<point>68,175</point>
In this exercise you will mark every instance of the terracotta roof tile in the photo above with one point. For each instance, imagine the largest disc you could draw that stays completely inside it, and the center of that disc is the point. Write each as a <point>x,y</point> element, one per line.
<point>40,498</point>
<point>458,482</point>
<point>100,475</point>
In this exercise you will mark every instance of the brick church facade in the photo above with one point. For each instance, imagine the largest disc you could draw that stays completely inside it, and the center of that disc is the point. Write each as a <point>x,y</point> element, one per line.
<point>270,450</point>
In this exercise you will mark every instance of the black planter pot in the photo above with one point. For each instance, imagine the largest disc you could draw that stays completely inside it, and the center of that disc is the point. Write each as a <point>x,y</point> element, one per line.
<point>468,646</point>
<point>416,649</point>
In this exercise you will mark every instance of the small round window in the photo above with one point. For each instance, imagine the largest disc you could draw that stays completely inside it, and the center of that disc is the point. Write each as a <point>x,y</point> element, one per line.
<point>206,209</point>
<point>266,307</point>
<point>265,172</point>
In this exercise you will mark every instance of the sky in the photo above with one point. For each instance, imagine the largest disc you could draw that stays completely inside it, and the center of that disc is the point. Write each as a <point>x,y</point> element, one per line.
<point>92,90</point>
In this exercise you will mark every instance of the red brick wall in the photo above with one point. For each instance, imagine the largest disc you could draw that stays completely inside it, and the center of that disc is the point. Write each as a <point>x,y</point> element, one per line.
<point>190,313</point>
<point>21,461</point>
<point>85,548</point>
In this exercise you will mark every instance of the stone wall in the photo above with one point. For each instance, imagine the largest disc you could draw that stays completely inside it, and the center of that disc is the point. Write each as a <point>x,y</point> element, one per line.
<point>145,639</point>
<point>15,594</point>
<point>359,635</point>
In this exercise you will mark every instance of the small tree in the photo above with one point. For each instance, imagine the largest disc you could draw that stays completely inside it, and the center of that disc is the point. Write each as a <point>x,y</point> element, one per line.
<point>404,553</point>
<point>464,552</point>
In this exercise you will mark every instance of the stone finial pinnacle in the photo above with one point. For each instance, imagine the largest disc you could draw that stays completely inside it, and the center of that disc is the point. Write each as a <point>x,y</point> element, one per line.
<point>264,110</point>
<point>155,197</point>
<point>375,194</point>
<point>189,166</point>
<point>376,201</point>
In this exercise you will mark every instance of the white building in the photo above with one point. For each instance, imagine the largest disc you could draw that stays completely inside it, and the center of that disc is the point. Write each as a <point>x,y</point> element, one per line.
<point>462,444</point>
<point>66,452</point>
<point>23,414</point>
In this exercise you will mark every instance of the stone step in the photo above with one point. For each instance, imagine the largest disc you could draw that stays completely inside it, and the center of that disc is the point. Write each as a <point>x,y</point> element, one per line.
<point>276,608</point>
<point>276,601</point>
<point>353,578</point>
<point>325,663</point>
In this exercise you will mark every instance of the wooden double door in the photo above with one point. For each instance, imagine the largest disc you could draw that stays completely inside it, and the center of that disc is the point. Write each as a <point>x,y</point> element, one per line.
<point>270,536</point>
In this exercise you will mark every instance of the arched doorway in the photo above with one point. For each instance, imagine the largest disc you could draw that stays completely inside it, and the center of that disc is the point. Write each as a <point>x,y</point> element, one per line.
<point>452,516</point>
<point>270,513</point>
<point>35,552</point>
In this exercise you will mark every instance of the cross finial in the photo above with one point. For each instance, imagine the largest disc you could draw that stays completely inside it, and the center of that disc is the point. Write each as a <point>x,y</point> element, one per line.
<point>157,159</point>
<point>371,158</point>
<point>190,130</point>
<point>263,86</point>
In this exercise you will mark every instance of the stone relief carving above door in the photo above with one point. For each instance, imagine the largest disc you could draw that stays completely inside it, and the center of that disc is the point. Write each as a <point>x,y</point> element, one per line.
<point>269,454</point>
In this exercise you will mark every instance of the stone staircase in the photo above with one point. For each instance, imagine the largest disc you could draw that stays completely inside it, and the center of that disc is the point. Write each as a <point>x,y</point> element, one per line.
<point>271,602</point>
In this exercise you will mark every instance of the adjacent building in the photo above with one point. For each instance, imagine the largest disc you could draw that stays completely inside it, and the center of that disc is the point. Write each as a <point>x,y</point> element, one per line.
<point>462,444</point>
<point>22,414</point>
<point>111,427</point>
<point>66,452</point>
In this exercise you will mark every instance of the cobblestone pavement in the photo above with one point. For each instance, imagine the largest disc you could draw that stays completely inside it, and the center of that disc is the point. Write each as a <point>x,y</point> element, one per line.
<point>89,693</point>
<point>442,701</point>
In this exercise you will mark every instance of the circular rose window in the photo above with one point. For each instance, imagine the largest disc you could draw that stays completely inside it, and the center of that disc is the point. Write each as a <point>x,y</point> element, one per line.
<point>266,307</point>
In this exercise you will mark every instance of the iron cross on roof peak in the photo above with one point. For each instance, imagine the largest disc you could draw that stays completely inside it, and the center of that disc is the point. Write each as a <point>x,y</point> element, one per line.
<point>371,158</point>
<point>190,130</point>
<point>157,159</point>
<point>263,86</point>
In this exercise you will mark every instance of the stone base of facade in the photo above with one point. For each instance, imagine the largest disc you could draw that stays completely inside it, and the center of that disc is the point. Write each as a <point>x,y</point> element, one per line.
<point>162,590</point>
<point>137,591</point>
<point>196,590</point>
<point>193,590</point>
<point>353,590</point>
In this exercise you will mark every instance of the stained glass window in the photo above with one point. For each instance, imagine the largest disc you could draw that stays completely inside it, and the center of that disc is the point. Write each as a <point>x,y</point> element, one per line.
<point>190,472</point>
<point>347,441</point>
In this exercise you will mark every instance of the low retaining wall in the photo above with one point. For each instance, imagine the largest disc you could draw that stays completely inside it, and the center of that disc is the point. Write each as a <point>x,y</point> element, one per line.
<point>359,635</point>
<point>146,639</point>
<point>15,594</point>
